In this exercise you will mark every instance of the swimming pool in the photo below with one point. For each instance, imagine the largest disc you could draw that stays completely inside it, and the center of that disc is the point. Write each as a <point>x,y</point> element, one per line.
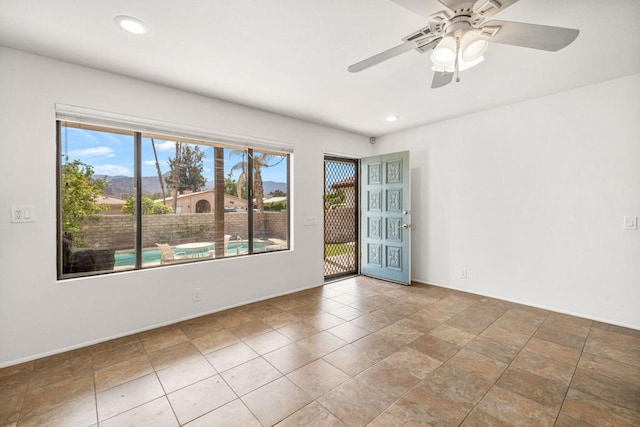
<point>153,255</point>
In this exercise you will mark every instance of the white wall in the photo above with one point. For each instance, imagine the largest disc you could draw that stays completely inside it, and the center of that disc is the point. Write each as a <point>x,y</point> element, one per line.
<point>39,315</point>
<point>530,198</point>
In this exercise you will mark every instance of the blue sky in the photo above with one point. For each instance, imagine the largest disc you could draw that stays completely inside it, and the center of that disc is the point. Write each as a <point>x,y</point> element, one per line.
<point>112,154</point>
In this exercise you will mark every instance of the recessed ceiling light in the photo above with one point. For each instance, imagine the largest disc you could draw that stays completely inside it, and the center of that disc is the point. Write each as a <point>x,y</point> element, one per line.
<point>131,24</point>
<point>392,118</point>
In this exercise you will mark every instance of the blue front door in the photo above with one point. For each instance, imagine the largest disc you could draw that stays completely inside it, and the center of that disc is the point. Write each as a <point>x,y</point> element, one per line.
<point>385,246</point>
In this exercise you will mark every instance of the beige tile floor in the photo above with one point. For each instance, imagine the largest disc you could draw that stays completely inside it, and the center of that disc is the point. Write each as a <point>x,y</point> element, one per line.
<point>355,352</point>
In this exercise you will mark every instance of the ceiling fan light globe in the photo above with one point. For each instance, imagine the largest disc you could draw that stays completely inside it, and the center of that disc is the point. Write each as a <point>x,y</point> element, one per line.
<point>443,69</point>
<point>445,52</point>
<point>472,46</point>
<point>475,50</point>
<point>443,56</point>
<point>465,65</point>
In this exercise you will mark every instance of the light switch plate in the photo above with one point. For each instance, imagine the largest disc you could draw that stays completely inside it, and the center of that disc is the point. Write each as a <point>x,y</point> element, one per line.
<point>630,222</point>
<point>310,221</point>
<point>22,214</point>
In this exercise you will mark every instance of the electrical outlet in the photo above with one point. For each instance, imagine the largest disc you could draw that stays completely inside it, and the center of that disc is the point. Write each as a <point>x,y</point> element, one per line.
<point>463,273</point>
<point>630,222</point>
<point>197,294</point>
<point>22,214</point>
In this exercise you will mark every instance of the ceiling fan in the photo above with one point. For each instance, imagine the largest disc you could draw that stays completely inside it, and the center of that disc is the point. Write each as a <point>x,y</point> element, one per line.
<point>458,36</point>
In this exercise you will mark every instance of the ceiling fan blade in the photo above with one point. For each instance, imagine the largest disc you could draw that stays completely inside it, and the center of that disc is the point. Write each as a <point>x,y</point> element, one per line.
<point>382,56</point>
<point>424,8</point>
<point>421,7</point>
<point>486,8</point>
<point>440,79</point>
<point>531,35</point>
<point>456,4</point>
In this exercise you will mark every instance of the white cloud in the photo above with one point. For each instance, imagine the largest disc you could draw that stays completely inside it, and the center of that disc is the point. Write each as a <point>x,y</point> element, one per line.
<point>111,170</point>
<point>92,152</point>
<point>149,163</point>
<point>166,146</point>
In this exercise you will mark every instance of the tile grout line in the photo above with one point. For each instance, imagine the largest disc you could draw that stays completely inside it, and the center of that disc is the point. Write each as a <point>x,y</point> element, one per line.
<point>574,373</point>
<point>95,390</point>
<point>328,362</point>
<point>26,393</point>
<point>155,372</point>
<point>217,373</point>
<point>421,380</point>
<point>239,397</point>
<point>438,368</point>
<point>414,386</point>
<point>508,365</point>
<point>129,381</point>
<point>306,364</point>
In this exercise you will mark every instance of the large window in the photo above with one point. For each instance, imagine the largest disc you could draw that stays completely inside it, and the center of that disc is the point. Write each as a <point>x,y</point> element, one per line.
<point>132,200</point>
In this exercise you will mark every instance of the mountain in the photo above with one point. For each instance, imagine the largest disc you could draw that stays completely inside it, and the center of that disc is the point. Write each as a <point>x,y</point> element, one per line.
<point>121,187</point>
<point>271,186</point>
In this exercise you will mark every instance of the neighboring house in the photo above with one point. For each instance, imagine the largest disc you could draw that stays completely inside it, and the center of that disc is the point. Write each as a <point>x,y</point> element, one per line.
<point>203,202</point>
<point>114,205</point>
<point>348,185</point>
<point>274,199</point>
<point>342,215</point>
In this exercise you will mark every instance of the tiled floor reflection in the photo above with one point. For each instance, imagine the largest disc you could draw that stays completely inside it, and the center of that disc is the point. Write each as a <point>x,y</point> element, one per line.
<point>352,353</point>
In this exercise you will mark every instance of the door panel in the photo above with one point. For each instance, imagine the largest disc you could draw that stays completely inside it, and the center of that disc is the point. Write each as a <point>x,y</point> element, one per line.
<point>385,218</point>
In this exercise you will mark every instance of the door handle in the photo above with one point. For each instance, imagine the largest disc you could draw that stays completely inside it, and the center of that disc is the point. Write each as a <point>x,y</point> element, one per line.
<point>405,226</point>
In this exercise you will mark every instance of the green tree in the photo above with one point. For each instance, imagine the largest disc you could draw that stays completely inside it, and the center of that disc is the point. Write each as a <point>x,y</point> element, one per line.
<point>188,169</point>
<point>275,206</point>
<point>149,207</point>
<point>260,161</point>
<point>80,192</point>
<point>333,198</point>
<point>278,193</point>
<point>153,196</point>
<point>230,185</point>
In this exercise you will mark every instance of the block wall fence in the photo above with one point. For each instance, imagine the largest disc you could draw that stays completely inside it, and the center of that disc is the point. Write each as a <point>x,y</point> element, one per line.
<point>117,231</point>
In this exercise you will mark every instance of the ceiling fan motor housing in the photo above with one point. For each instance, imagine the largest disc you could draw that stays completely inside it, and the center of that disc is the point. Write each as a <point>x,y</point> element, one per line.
<point>457,27</point>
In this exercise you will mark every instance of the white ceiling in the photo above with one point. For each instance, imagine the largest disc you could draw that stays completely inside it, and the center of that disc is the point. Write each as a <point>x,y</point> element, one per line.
<point>291,56</point>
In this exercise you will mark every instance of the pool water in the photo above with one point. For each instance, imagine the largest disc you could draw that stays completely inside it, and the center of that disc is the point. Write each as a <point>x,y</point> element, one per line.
<point>153,255</point>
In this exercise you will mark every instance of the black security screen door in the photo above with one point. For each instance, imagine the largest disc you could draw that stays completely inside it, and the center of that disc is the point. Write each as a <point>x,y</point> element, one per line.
<point>340,217</point>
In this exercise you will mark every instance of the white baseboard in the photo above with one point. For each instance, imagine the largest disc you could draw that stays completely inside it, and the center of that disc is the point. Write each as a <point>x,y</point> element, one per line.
<point>146,328</point>
<point>554,309</point>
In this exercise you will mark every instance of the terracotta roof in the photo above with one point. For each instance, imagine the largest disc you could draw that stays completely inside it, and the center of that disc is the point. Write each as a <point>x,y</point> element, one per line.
<point>106,200</point>
<point>227,197</point>
<point>349,182</point>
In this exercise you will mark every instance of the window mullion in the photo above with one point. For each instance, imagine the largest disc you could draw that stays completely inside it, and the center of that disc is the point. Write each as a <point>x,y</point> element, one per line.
<point>218,204</point>
<point>250,201</point>
<point>137,173</point>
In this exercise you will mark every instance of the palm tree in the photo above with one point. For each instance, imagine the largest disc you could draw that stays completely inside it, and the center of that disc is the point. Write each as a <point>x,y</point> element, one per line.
<point>260,160</point>
<point>155,155</point>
